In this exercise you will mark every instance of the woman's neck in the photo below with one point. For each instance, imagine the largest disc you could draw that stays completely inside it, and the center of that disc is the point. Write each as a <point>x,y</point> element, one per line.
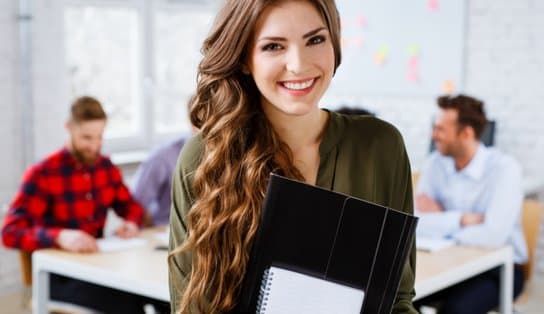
<point>299,132</point>
<point>303,135</point>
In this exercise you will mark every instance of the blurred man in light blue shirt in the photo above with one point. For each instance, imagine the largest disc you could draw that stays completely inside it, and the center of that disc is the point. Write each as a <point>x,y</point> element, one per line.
<point>473,195</point>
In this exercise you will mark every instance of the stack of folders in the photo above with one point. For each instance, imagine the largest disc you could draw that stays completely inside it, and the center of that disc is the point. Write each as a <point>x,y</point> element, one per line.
<point>318,251</point>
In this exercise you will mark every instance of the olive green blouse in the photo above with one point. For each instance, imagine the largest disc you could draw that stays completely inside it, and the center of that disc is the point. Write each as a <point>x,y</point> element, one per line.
<point>360,156</point>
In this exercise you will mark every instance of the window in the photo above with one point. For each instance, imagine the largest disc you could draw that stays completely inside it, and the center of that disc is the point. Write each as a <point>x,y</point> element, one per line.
<point>175,66</point>
<point>139,58</point>
<point>103,59</point>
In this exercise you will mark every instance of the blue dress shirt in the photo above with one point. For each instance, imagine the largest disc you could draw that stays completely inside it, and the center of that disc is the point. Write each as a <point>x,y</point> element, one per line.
<point>489,185</point>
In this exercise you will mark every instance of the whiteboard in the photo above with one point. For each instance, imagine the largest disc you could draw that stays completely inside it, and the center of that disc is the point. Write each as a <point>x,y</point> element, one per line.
<point>399,47</point>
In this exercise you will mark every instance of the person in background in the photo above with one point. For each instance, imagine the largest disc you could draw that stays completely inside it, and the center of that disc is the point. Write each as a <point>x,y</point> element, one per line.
<point>63,201</point>
<point>153,180</point>
<point>265,67</point>
<point>473,195</point>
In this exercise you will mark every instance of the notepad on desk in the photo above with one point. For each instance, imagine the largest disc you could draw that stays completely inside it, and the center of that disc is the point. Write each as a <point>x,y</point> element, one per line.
<point>162,237</point>
<point>112,244</point>
<point>285,291</point>
<point>433,244</point>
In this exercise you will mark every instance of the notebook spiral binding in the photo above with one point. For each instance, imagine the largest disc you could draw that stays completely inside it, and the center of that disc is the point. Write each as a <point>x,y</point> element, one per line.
<point>264,292</point>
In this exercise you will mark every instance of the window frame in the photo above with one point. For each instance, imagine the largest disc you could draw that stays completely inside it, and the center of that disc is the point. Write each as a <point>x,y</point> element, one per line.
<point>146,137</point>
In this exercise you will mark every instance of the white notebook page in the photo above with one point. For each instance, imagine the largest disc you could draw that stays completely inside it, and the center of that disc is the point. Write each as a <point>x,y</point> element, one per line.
<point>433,244</point>
<point>292,292</point>
<point>112,244</point>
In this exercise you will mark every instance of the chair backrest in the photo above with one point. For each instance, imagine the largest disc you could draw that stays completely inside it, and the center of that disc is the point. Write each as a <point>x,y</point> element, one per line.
<point>531,218</point>
<point>25,258</point>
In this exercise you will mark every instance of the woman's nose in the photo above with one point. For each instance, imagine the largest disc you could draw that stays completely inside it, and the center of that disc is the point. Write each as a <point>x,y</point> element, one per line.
<point>295,62</point>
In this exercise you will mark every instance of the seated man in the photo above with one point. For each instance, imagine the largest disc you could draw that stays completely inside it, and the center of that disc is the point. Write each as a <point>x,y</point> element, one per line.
<point>153,183</point>
<point>473,195</point>
<point>63,202</point>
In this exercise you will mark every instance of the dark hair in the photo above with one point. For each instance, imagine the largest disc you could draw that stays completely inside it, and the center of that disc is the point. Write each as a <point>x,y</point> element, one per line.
<point>354,111</point>
<point>86,108</point>
<point>470,111</point>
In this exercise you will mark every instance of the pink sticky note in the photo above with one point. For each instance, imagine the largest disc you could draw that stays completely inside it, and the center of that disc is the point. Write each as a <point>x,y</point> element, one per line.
<point>413,76</point>
<point>360,20</point>
<point>433,5</point>
<point>413,62</point>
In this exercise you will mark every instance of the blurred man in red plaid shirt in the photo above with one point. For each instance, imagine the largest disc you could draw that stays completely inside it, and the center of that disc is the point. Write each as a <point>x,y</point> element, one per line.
<point>63,201</point>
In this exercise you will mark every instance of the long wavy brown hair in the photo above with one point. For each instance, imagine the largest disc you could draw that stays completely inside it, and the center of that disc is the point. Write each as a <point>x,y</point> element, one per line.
<point>241,149</point>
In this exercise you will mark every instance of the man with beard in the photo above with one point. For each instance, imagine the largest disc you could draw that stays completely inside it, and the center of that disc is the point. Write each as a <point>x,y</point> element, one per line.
<point>63,201</point>
<point>471,194</point>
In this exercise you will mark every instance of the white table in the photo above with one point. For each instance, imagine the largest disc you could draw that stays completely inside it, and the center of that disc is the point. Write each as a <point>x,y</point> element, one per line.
<point>441,269</point>
<point>142,271</point>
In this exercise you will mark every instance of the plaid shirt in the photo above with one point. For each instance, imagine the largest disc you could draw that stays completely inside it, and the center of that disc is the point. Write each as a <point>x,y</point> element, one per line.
<point>62,193</point>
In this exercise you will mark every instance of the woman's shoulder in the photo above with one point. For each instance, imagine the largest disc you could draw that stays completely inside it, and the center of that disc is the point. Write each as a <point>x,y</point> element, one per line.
<point>191,153</point>
<point>370,129</point>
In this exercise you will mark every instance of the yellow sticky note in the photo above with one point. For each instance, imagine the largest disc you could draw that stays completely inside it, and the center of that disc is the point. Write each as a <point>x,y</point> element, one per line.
<point>448,87</point>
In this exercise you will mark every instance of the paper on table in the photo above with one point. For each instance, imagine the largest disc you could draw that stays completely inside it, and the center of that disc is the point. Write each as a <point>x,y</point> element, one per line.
<point>432,244</point>
<point>163,237</point>
<point>112,244</point>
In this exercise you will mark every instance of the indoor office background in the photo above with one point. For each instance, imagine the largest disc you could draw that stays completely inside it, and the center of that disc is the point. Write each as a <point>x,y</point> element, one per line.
<point>148,51</point>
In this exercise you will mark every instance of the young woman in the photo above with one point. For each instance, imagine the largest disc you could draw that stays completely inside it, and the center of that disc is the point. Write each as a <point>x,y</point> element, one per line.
<point>265,67</point>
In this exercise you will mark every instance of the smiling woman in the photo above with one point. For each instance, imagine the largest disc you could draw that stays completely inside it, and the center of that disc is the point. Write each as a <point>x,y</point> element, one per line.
<point>291,59</point>
<point>266,65</point>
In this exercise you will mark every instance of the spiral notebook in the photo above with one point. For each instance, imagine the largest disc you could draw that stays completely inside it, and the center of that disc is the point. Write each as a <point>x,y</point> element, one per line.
<point>284,291</point>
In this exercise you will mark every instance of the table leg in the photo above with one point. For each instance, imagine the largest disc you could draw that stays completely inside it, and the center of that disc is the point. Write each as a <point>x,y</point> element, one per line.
<point>40,292</point>
<point>507,284</point>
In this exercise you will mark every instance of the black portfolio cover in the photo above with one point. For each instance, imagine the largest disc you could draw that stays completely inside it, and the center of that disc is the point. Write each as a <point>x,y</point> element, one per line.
<point>331,236</point>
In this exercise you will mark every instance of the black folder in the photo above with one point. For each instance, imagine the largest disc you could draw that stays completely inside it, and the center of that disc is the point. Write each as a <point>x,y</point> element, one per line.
<point>331,236</point>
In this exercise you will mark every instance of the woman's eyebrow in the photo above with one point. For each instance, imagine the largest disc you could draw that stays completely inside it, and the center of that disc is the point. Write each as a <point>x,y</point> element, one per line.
<point>311,33</point>
<point>308,34</point>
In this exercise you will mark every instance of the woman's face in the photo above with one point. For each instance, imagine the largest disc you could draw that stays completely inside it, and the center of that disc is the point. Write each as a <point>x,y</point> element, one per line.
<point>291,58</point>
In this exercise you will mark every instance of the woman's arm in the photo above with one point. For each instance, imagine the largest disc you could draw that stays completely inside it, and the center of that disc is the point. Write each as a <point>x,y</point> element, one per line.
<point>180,264</point>
<point>403,200</point>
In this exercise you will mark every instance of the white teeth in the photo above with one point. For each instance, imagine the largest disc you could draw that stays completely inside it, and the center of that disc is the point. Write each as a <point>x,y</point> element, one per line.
<point>298,86</point>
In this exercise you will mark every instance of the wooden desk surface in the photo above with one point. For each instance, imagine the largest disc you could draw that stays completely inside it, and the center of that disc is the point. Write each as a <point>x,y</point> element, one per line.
<point>440,269</point>
<point>142,270</point>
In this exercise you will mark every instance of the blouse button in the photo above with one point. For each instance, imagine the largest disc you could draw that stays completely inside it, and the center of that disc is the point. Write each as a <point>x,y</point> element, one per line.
<point>89,196</point>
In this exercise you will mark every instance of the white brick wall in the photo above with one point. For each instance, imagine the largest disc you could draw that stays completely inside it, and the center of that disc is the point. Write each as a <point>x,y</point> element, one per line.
<point>10,133</point>
<point>505,66</point>
<point>49,87</point>
<point>10,117</point>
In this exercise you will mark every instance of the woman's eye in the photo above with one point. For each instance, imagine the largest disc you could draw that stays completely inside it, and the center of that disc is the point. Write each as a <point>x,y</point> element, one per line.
<point>271,47</point>
<point>316,40</point>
